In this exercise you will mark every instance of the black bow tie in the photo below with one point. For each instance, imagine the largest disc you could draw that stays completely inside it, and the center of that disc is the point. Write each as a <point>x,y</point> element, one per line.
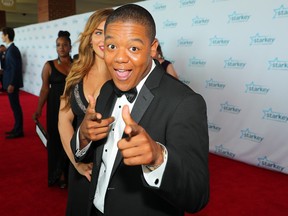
<point>130,95</point>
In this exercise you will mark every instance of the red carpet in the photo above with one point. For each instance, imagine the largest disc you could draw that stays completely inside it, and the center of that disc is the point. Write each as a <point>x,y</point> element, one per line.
<point>237,189</point>
<point>23,168</point>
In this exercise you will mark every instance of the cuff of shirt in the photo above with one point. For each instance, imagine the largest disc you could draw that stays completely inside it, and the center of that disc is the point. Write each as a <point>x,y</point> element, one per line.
<point>79,153</point>
<point>154,178</point>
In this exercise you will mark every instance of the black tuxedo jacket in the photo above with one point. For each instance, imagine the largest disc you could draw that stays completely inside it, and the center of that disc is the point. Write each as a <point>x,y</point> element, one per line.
<point>13,68</point>
<point>175,116</point>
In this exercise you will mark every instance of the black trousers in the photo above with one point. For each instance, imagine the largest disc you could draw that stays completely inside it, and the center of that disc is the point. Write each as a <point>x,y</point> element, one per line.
<point>17,111</point>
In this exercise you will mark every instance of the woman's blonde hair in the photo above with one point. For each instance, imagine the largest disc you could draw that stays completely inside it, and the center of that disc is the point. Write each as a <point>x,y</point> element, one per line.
<point>86,54</point>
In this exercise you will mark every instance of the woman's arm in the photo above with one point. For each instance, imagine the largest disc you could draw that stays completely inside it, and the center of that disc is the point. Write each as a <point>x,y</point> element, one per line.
<point>66,131</point>
<point>46,71</point>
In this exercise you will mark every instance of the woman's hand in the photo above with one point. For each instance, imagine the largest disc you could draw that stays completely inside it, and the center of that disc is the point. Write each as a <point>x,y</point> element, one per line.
<point>36,115</point>
<point>85,169</point>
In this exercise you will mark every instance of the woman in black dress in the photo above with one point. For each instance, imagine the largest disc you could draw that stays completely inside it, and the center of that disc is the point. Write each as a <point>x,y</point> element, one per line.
<point>86,77</point>
<point>53,82</point>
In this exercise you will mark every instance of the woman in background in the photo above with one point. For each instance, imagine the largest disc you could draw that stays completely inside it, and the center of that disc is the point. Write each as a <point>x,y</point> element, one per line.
<point>54,74</point>
<point>167,65</point>
<point>86,77</point>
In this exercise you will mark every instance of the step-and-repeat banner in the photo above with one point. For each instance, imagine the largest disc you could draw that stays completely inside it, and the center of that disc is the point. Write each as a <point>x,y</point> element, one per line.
<point>234,53</point>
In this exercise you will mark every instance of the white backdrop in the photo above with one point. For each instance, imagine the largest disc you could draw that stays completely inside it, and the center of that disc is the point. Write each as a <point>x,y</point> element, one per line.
<point>232,52</point>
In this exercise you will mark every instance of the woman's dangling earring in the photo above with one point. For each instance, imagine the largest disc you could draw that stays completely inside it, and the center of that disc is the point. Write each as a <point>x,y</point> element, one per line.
<point>59,60</point>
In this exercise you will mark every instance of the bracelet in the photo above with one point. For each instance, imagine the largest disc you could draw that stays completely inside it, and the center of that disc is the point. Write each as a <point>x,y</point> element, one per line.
<point>154,167</point>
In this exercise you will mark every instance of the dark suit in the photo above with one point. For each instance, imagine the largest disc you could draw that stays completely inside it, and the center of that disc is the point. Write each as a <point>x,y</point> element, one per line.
<point>175,116</point>
<point>2,60</point>
<point>13,76</point>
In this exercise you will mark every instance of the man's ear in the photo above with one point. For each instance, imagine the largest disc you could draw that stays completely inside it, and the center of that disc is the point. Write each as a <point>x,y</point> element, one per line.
<point>154,46</point>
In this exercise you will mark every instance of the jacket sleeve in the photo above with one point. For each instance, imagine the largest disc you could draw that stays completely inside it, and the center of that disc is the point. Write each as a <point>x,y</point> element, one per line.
<point>15,66</point>
<point>186,178</point>
<point>79,155</point>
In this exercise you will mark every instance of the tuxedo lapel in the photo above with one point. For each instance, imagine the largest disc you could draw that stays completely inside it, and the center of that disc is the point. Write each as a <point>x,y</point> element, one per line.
<point>146,96</point>
<point>142,103</point>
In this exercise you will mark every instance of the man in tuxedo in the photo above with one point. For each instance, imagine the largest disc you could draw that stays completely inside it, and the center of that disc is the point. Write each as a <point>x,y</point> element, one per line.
<point>154,160</point>
<point>13,81</point>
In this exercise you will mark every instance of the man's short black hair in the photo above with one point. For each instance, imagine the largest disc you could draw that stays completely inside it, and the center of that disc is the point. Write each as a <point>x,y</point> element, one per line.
<point>8,31</point>
<point>134,13</point>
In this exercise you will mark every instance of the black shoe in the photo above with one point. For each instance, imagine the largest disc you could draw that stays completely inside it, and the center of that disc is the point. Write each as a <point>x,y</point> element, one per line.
<point>15,135</point>
<point>9,132</point>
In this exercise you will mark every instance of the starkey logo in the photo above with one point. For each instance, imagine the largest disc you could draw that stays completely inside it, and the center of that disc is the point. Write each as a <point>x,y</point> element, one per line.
<point>256,89</point>
<point>200,21</point>
<point>251,136</point>
<point>212,84</point>
<point>186,3</point>
<point>30,81</point>
<point>214,127</point>
<point>184,42</point>
<point>33,74</point>
<point>64,23</point>
<point>218,41</point>
<point>277,64</point>
<point>281,12</point>
<point>238,17</point>
<point>229,108</point>
<point>43,37</point>
<point>266,163</point>
<point>169,24</point>
<point>261,40</point>
<point>159,6</point>
<point>233,63</point>
<point>75,21</point>
<point>269,114</point>
<point>224,151</point>
<point>195,62</point>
